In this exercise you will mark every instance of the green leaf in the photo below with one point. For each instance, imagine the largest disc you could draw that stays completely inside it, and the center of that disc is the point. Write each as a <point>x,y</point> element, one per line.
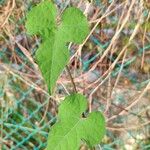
<point>74,27</point>
<point>53,55</point>
<point>41,19</point>
<point>71,127</point>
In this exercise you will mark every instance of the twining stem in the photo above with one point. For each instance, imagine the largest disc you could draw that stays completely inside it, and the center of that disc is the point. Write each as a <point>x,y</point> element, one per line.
<point>71,78</point>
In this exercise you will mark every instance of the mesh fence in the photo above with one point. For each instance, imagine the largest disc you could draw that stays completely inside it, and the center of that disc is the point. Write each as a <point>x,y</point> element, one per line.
<point>117,85</point>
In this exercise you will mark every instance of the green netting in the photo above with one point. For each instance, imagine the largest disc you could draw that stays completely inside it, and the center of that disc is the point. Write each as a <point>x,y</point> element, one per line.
<point>20,114</point>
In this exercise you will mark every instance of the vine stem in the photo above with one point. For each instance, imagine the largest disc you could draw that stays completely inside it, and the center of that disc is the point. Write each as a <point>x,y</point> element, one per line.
<point>71,78</point>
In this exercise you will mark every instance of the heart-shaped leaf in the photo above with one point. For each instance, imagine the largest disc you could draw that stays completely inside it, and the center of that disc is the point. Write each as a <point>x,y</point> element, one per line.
<point>53,55</point>
<point>72,128</point>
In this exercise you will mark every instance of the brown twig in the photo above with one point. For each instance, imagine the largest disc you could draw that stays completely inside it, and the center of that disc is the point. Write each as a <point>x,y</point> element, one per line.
<point>71,78</point>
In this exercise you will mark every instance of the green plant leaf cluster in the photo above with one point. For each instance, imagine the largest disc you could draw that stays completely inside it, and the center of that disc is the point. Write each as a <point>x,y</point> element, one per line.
<point>53,54</point>
<point>71,127</point>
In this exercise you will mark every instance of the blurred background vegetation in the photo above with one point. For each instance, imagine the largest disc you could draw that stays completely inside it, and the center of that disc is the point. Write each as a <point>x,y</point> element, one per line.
<point>111,67</point>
